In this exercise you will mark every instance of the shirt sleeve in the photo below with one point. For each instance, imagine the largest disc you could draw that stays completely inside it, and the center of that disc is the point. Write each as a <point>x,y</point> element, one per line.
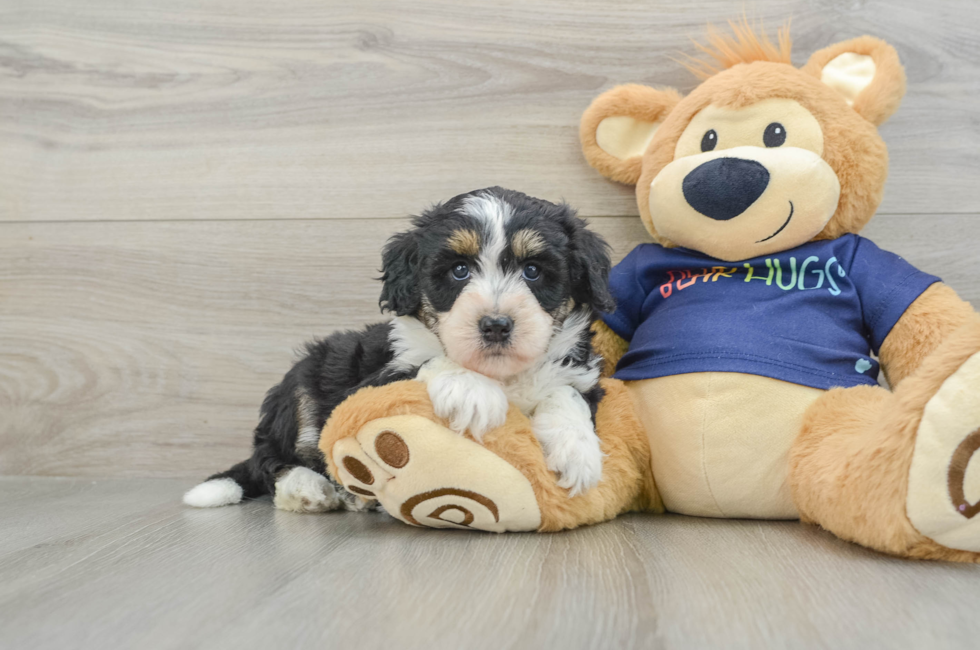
<point>629,294</point>
<point>886,285</point>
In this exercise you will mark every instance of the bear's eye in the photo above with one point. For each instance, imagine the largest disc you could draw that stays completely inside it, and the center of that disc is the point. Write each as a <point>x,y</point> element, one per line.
<point>709,141</point>
<point>775,135</point>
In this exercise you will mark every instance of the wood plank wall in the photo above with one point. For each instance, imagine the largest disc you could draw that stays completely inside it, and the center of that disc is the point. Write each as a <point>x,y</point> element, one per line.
<point>191,189</point>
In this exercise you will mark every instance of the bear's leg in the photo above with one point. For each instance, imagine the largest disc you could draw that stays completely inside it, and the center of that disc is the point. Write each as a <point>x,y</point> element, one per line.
<point>387,444</point>
<point>899,471</point>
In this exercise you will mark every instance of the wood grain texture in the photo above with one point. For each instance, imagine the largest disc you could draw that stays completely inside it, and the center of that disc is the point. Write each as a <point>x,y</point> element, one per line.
<point>144,349</point>
<point>123,109</point>
<point>121,564</point>
<point>191,190</point>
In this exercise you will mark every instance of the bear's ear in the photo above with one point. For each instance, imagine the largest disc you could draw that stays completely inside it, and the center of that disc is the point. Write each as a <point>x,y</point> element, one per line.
<point>867,74</point>
<point>618,126</point>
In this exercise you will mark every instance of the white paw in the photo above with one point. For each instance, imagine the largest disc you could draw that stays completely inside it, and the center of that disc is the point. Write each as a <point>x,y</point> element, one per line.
<point>467,399</point>
<point>214,493</point>
<point>303,490</point>
<point>578,461</point>
<point>563,425</point>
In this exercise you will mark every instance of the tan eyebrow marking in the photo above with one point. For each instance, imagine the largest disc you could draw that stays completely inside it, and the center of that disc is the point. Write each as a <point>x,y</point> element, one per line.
<point>526,243</point>
<point>465,242</point>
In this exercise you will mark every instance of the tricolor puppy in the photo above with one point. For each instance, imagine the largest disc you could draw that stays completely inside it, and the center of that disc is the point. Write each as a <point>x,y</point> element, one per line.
<point>494,293</point>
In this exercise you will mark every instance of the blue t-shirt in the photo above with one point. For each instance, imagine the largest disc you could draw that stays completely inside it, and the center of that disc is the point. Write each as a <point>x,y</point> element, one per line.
<point>810,315</point>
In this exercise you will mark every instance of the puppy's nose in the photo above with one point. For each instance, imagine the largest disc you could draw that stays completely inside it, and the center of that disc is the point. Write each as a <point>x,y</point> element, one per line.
<point>496,329</point>
<point>724,188</point>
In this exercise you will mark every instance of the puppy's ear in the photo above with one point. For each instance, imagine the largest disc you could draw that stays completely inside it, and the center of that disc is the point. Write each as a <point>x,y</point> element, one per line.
<point>401,265</point>
<point>589,266</point>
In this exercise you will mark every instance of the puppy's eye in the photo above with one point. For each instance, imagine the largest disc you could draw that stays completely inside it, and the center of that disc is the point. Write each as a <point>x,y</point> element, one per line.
<point>709,141</point>
<point>775,135</point>
<point>460,272</point>
<point>531,272</point>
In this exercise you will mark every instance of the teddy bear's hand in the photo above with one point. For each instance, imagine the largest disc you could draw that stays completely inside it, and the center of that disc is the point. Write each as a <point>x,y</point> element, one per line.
<point>467,399</point>
<point>563,425</point>
<point>608,345</point>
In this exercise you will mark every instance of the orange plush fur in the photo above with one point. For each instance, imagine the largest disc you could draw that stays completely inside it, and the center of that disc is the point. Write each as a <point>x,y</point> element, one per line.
<point>873,431</point>
<point>400,398</point>
<point>927,322</point>
<point>746,45</point>
<point>609,346</point>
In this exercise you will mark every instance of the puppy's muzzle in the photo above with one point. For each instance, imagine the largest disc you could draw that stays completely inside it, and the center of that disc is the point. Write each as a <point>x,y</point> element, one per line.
<point>496,329</point>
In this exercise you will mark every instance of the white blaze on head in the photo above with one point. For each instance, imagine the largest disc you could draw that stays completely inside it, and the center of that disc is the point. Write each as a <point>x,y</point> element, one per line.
<point>493,291</point>
<point>493,213</point>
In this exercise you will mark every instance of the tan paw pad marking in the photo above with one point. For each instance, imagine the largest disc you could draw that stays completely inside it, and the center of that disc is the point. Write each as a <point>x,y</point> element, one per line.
<point>426,475</point>
<point>465,520</point>
<point>392,449</point>
<point>409,507</point>
<point>944,477</point>
<point>358,470</point>
<point>956,477</point>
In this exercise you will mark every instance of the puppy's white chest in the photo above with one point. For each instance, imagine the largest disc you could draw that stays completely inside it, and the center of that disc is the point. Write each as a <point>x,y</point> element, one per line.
<point>537,384</point>
<point>516,396</point>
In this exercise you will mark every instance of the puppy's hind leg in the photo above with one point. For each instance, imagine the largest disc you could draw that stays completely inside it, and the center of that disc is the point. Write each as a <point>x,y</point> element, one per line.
<point>300,489</point>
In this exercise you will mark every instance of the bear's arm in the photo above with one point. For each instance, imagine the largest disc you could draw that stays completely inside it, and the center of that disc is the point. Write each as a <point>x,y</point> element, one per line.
<point>609,345</point>
<point>934,315</point>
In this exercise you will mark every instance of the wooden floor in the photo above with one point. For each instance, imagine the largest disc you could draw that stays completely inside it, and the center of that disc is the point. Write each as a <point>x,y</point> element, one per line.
<point>120,564</point>
<point>190,189</point>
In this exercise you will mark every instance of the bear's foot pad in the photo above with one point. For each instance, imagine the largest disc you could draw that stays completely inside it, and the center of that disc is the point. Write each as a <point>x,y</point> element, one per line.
<point>427,475</point>
<point>944,479</point>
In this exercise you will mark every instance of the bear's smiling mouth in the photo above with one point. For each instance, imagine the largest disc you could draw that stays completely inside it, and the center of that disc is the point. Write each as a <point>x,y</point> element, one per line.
<point>782,227</point>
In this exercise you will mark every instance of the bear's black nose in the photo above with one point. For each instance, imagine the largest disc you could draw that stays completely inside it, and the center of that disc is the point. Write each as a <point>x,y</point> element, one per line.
<point>496,330</point>
<point>724,188</point>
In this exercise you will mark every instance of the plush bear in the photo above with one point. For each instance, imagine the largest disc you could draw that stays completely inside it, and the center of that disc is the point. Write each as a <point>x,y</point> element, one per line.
<point>742,340</point>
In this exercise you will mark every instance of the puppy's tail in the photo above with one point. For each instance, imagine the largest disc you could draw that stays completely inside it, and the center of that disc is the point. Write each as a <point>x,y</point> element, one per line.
<point>226,488</point>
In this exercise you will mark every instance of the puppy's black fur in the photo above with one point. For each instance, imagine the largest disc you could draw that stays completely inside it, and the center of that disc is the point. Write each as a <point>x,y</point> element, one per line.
<point>332,369</point>
<point>415,277</point>
<point>416,263</point>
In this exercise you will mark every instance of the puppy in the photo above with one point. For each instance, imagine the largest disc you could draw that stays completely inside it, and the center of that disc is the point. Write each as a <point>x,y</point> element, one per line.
<point>494,293</point>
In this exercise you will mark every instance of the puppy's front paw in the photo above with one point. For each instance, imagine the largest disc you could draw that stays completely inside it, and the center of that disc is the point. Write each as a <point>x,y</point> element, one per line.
<point>563,426</point>
<point>467,399</point>
<point>578,460</point>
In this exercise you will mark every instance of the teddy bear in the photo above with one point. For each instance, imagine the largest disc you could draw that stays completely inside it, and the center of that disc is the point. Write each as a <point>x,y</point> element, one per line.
<point>743,355</point>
